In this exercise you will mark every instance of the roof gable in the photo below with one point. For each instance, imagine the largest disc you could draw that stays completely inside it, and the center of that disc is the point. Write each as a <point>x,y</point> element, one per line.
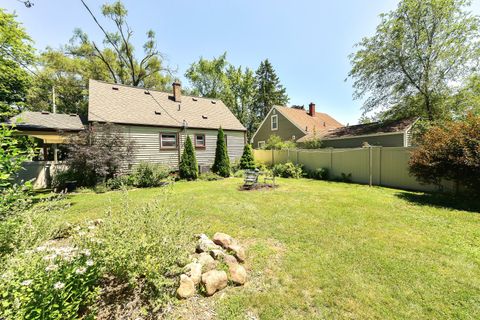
<point>319,123</point>
<point>132,105</point>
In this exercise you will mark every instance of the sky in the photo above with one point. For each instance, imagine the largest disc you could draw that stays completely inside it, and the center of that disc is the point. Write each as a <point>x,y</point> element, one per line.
<point>308,42</point>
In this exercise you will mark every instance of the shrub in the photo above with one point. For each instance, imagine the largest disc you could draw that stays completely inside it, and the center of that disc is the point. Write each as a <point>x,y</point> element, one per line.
<point>239,174</point>
<point>274,142</point>
<point>247,161</point>
<point>319,174</point>
<point>60,179</point>
<point>210,176</point>
<point>49,283</point>
<point>344,177</point>
<point>221,165</point>
<point>154,243</point>
<point>13,197</point>
<point>188,168</point>
<point>288,170</point>
<point>119,182</point>
<point>98,154</point>
<point>450,152</point>
<point>149,174</point>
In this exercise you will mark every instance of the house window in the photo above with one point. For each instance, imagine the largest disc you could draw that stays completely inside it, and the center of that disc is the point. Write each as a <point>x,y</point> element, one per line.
<point>226,140</point>
<point>199,141</point>
<point>168,140</point>
<point>261,144</point>
<point>274,122</point>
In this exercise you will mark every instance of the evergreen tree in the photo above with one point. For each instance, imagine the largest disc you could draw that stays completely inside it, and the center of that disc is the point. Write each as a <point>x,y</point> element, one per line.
<point>269,91</point>
<point>247,160</point>
<point>188,164</point>
<point>221,166</point>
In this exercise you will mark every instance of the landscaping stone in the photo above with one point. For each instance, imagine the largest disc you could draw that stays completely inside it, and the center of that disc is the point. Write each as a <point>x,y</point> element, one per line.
<point>238,274</point>
<point>205,245</point>
<point>207,262</point>
<point>223,240</point>
<point>217,254</point>
<point>186,288</point>
<point>229,259</point>
<point>214,281</point>
<point>194,270</point>
<point>239,252</point>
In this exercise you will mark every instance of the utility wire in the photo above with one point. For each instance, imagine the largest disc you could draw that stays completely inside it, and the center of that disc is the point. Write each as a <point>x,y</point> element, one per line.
<point>158,103</point>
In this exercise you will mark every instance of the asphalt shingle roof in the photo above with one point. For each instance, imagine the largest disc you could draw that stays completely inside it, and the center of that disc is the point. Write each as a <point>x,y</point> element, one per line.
<point>47,121</point>
<point>318,125</point>
<point>132,105</point>
<point>372,128</point>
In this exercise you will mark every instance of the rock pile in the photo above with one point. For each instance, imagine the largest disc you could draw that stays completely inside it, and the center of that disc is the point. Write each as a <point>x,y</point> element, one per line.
<point>207,269</point>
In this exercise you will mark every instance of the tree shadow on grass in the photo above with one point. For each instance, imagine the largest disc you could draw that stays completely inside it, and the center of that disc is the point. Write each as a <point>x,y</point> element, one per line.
<point>440,200</point>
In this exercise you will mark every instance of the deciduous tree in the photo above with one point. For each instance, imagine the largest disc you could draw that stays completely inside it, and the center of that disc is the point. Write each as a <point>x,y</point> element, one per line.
<point>16,57</point>
<point>450,152</point>
<point>420,51</point>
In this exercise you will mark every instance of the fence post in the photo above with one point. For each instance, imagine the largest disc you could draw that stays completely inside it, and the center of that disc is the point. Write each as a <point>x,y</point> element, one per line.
<point>370,165</point>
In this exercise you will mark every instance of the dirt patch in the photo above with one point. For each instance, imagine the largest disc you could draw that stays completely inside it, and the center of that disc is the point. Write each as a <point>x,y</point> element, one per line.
<point>258,186</point>
<point>119,300</point>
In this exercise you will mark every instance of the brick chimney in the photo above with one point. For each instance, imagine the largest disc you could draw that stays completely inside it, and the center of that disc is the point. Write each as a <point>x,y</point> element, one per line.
<point>311,109</point>
<point>177,91</point>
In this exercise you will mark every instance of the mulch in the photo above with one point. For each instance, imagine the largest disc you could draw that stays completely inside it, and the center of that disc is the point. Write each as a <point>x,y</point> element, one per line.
<point>258,186</point>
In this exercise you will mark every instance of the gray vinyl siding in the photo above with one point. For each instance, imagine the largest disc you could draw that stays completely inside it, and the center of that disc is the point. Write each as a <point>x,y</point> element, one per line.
<point>147,145</point>
<point>286,129</point>
<point>391,140</point>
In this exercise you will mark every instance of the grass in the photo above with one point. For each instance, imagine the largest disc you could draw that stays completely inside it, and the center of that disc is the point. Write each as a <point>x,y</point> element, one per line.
<point>331,250</point>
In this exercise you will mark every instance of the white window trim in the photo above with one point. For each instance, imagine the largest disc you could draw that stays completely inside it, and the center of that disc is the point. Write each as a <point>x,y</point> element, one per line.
<point>271,122</point>
<point>260,144</point>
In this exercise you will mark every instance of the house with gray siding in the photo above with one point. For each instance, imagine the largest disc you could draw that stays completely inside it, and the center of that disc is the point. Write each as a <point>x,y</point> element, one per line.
<point>159,122</point>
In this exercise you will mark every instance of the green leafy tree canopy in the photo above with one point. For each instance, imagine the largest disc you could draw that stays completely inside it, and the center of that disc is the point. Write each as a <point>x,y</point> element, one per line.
<point>16,55</point>
<point>420,51</point>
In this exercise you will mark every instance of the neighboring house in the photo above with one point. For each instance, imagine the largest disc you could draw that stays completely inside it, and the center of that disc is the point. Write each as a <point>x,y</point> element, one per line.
<point>158,122</point>
<point>293,124</point>
<point>397,133</point>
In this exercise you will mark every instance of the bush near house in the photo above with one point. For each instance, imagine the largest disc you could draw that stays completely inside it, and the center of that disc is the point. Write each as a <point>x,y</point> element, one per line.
<point>221,165</point>
<point>274,142</point>
<point>147,174</point>
<point>450,152</point>
<point>98,154</point>
<point>247,161</point>
<point>188,167</point>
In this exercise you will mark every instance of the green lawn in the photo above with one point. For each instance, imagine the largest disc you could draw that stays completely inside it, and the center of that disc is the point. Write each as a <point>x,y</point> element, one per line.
<point>330,250</point>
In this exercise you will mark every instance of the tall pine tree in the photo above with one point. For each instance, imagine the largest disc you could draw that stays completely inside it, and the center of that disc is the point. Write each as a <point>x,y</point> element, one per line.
<point>269,91</point>
<point>188,164</point>
<point>221,166</point>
